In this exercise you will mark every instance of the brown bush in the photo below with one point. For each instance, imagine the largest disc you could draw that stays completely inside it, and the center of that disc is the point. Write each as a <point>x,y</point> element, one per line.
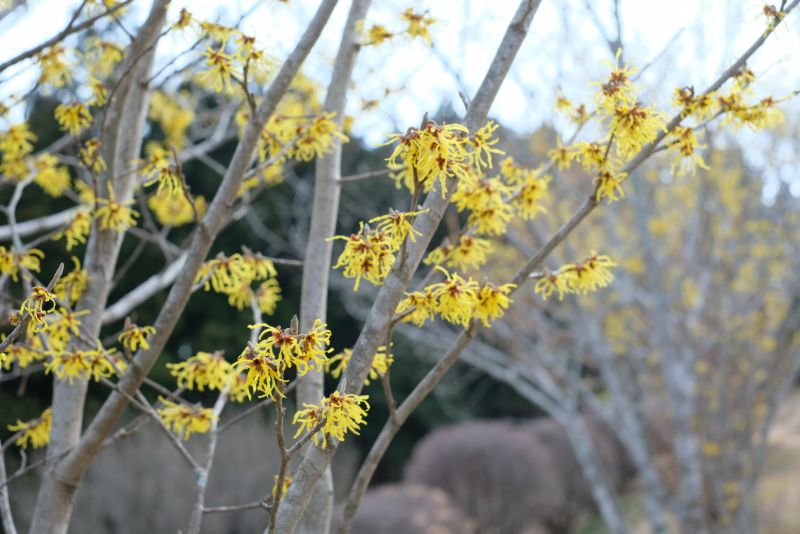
<point>410,508</point>
<point>495,471</point>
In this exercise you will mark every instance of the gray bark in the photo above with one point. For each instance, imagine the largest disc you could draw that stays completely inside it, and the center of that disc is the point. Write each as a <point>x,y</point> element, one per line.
<point>122,143</point>
<point>317,260</point>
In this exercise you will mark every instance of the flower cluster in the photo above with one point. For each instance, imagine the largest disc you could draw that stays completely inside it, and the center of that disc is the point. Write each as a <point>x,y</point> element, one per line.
<point>161,170</point>
<point>77,230</point>
<point>73,118</point>
<point>174,115</point>
<point>16,144</point>
<point>54,179</point>
<point>71,286</point>
<point>35,432</point>
<point>279,349</point>
<point>55,68</point>
<point>113,215</point>
<point>490,213</point>
<point>95,364</point>
<point>133,337</point>
<point>370,253</point>
<point>12,261</point>
<point>684,142</point>
<point>63,325</point>
<point>429,155</point>
<point>381,362</point>
<point>201,371</point>
<point>234,275</point>
<point>417,26</point>
<point>456,300</point>
<point>24,354</point>
<point>593,273</point>
<point>469,253</point>
<point>337,415</point>
<point>230,55</point>
<point>184,419</point>
<point>37,306</point>
<point>102,56</point>
<point>175,209</point>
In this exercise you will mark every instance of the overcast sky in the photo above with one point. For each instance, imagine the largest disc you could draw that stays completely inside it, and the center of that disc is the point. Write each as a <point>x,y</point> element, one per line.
<point>691,42</point>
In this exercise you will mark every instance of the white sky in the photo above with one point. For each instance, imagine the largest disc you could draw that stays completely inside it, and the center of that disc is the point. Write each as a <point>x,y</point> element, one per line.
<point>564,49</point>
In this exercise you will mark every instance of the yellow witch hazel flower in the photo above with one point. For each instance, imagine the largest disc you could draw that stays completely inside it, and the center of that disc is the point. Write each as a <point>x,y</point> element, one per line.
<point>303,351</point>
<point>71,286</point>
<point>78,229</point>
<point>369,254</point>
<point>593,273</point>
<point>37,306</point>
<point>608,184</point>
<point>492,302</point>
<point>487,199</point>
<point>316,138</point>
<point>234,275</point>
<point>483,146</point>
<point>684,142</point>
<point>80,364</point>
<point>618,89</point>
<point>89,154</point>
<point>456,298</point>
<point>417,307</point>
<point>223,273</point>
<point>133,337</point>
<point>381,362</point>
<point>531,193</point>
<point>220,70</point>
<point>700,107</point>
<point>175,209</point>
<point>376,35</point>
<point>35,432</point>
<point>238,390</point>
<point>397,226</point>
<point>475,192</point>
<point>264,372</point>
<point>201,371</point>
<point>73,118</point>
<point>51,177</point>
<point>184,419</point>
<point>469,253</point>
<point>428,155</point>
<point>64,325</point>
<point>336,416</point>
<point>268,295</point>
<point>561,156</point>
<point>161,170</point>
<point>634,126</point>
<point>418,24</point>
<point>55,68</point>
<point>552,282</point>
<point>11,261</point>
<point>23,354</point>
<point>102,56</point>
<point>113,215</point>
<point>17,142</point>
<point>174,114</point>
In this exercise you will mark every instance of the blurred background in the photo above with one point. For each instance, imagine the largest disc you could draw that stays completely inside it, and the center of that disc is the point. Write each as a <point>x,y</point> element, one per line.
<point>712,255</point>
